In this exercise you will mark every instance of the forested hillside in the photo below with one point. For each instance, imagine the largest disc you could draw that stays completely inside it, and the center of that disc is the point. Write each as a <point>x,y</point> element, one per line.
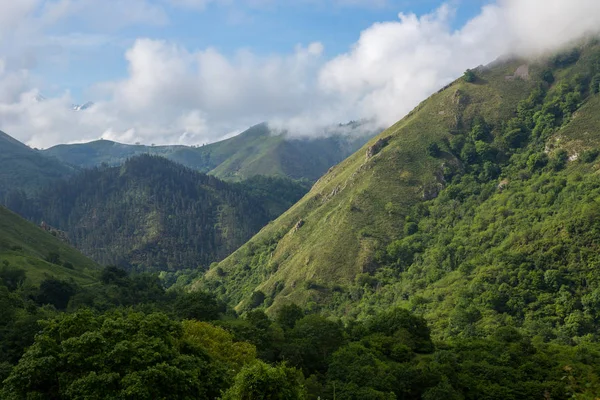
<point>128,337</point>
<point>153,214</point>
<point>256,151</point>
<point>478,210</point>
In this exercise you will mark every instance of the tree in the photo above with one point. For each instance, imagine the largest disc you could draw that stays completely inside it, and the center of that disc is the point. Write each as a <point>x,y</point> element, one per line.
<point>113,275</point>
<point>260,381</point>
<point>434,150</point>
<point>469,76</point>
<point>312,342</point>
<point>219,344</point>
<point>400,323</point>
<point>257,299</point>
<point>288,315</point>
<point>56,292</point>
<point>116,355</point>
<point>53,258</point>
<point>12,277</point>
<point>548,77</point>
<point>201,306</point>
<point>595,84</point>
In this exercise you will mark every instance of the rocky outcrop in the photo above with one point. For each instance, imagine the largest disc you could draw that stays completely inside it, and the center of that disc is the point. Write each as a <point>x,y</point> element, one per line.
<point>503,184</point>
<point>522,73</point>
<point>61,235</point>
<point>298,225</point>
<point>432,191</point>
<point>377,147</point>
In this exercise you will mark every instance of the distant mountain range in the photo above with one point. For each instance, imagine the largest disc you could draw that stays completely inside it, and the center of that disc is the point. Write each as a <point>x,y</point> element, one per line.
<point>25,169</point>
<point>257,151</point>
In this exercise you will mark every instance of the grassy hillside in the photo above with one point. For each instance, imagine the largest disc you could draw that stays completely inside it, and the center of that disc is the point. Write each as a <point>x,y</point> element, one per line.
<point>418,216</point>
<point>22,168</point>
<point>154,214</point>
<point>26,246</point>
<point>256,151</point>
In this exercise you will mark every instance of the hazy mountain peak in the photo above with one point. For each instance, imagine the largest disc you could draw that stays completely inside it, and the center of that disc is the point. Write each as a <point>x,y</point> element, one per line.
<point>83,107</point>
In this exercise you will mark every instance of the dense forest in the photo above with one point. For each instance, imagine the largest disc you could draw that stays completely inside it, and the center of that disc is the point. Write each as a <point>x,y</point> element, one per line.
<point>153,214</point>
<point>127,337</point>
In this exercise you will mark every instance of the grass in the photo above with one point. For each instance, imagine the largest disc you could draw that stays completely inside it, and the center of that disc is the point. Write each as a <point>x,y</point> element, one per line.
<point>26,246</point>
<point>359,206</point>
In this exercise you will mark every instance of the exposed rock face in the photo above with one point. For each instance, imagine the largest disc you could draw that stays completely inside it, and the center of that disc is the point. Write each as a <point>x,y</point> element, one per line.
<point>503,184</point>
<point>460,99</point>
<point>522,72</point>
<point>298,225</point>
<point>377,147</point>
<point>61,235</point>
<point>432,191</point>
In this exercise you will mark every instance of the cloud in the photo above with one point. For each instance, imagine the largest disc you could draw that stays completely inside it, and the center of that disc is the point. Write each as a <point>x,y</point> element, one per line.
<point>175,95</point>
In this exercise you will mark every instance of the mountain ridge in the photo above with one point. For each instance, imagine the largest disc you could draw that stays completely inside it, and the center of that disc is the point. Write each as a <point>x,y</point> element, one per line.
<point>256,151</point>
<point>154,214</point>
<point>377,230</point>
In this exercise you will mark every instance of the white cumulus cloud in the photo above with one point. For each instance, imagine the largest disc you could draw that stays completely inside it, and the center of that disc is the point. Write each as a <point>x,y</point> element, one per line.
<point>176,95</point>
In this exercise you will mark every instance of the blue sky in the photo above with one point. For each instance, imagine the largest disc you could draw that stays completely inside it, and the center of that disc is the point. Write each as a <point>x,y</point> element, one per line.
<point>264,29</point>
<point>196,71</point>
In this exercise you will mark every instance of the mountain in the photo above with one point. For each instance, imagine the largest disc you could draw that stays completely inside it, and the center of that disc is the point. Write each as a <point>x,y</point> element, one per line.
<point>40,253</point>
<point>257,151</point>
<point>26,169</point>
<point>153,214</point>
<point>83,107</point>
<point>477,210</point>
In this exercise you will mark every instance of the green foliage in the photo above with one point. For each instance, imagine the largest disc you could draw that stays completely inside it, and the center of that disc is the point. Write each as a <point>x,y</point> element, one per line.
<point>11,277</point>
<point>469,76</point>
<point>118,355</point>
<point>434,150</point>
<point>288,315</point>
<point>257,299</point>
<point>53,258</point>
<point>200,306</point>
<point>589,156</point>
<point>464,239</point>
<point>566,58</point>
<point>25,170</point>
<point>595,84</point>
<point>548,77</point>
<point>55,292</point>
<point>263,382</point>
<point>311,342</point>
<point>152,214</point>
<point>26,247</point>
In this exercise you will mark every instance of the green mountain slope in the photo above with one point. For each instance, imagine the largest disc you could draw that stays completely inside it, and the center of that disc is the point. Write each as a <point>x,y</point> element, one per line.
<point>26,246</point>
<point>22,168</point>
<point>467,211</point>
<point>154,214</point>
<point>256,151</point>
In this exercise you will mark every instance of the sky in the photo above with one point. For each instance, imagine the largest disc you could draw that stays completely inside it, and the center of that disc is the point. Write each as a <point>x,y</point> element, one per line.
<point>196,71</point>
